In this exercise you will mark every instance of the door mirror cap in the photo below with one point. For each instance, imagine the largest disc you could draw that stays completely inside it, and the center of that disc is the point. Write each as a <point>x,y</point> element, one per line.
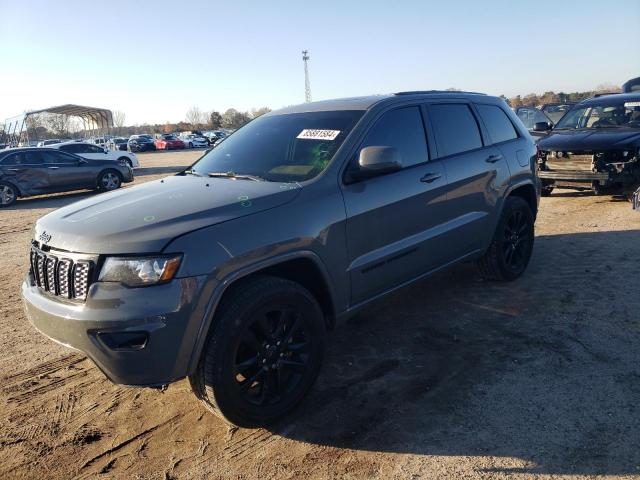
<point>542,127</point>
<point>375,161</point>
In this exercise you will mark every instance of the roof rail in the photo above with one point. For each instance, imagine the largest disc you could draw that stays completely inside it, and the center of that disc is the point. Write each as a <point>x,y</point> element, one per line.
<point>602,94</point>
<point>417,92</point>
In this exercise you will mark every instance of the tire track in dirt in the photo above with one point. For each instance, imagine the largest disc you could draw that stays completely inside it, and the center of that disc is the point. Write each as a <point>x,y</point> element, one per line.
<point>46,368</point>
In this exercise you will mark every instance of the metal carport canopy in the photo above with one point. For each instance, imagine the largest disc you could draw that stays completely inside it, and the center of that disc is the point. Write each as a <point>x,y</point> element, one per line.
<point>94,114</point>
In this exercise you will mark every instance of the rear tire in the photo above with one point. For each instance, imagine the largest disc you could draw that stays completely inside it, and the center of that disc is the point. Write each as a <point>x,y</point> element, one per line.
<point>109,180</point>
<point>263,353</point>
<point>8,194</point>
<point>510,250</point>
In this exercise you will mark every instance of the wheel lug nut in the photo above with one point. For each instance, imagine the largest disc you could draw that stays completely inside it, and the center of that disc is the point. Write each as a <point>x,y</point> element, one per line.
<point>264,360</point>
<point>278,343</point>
<point>282,354</point>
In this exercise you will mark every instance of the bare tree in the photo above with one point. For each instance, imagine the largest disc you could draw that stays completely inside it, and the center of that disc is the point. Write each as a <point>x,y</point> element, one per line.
<point>58,124</point>
<point>255,113</point>
<point>195,116</point>
<point>608,87</point>
<point>119,118</point>
<point>215,119</point>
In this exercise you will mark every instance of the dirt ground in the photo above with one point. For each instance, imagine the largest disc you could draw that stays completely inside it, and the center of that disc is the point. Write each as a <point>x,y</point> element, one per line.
<point>451,377</point>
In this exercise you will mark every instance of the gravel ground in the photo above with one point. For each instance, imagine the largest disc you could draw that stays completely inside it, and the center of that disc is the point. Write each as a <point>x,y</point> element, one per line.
<point>451,377</point>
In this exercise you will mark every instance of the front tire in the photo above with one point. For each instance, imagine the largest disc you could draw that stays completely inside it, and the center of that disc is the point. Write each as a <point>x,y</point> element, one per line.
<point>8,194</point>
<point>109,180</point>
<point>510,250</point>
<point>263,354</point>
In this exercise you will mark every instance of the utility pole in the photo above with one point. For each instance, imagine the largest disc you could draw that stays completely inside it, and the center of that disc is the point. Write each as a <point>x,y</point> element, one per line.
<point>307,83</point>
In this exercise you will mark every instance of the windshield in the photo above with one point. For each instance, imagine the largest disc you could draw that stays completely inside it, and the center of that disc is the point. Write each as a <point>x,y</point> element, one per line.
<point>607,115</point>
<point>281,148</point>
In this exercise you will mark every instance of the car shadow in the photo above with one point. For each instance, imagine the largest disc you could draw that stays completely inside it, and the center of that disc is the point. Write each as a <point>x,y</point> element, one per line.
<point>544,370</point>
<point>55,200</point>
<point>589,193</point>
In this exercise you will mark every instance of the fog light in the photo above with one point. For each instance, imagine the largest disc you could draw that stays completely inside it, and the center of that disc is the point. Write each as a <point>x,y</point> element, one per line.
<point>124,340</point>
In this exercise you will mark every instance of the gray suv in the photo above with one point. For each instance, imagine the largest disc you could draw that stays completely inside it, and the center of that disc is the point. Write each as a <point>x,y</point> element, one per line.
<point>231,272</point>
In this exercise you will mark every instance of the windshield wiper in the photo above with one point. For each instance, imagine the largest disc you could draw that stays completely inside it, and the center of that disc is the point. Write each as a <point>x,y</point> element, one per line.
<point>191,171</point>
<point>235,176</point>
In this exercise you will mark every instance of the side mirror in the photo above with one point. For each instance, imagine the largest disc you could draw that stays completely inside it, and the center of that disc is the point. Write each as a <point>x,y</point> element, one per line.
<point>542,127</point>
<point>375,161</point>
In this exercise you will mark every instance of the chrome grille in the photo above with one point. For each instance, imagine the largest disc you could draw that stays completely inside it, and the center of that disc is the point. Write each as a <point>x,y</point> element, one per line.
<point>80,280</point>
<point>61,276</point>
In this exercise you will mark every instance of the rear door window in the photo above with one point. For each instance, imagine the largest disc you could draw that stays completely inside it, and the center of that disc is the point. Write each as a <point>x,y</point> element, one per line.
<point>402,129</point>
<point>497,123</point>
<point>59,158</point>
<point>455,128</point>
<point>31,158</point>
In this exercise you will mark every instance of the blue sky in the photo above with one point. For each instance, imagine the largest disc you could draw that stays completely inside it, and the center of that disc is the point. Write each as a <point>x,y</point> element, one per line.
<point>153,60</point>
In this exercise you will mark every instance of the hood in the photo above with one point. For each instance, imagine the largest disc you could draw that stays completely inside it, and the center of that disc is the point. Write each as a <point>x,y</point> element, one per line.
<point>144,218</point>
<point>591,140</point>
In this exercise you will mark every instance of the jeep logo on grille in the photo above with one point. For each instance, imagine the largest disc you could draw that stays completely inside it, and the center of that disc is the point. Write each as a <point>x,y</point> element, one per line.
<point>44,237</point>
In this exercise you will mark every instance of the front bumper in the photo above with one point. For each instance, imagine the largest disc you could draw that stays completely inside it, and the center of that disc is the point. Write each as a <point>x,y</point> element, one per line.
<point>574,176</point>
<point>167,316</point>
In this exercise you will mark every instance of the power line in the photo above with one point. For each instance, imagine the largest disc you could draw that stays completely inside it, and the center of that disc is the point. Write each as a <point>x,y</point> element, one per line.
<point>307,83</point>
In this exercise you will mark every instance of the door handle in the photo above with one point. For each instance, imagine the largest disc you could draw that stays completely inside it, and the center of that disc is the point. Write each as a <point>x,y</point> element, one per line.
<point>493,158</point>
<point>15,169</point>
<point>430,177</point>
<point>53,168</point>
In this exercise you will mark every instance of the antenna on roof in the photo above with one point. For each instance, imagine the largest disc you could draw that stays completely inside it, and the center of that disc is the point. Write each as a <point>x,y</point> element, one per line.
<point>307,83</point>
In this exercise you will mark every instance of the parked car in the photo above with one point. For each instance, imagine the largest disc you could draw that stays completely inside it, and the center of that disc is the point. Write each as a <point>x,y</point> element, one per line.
<point>532,116</point>
<point>102,141</point>
<point>34,171</point>
<point>168,141</point>
<point>141,143</point>
<point>243,281</point>
<point>549,114</point>
<point>51,141</point>
<point>118,143</point>
<point>193,141</point>
<point>555,111</point>
<point>594,146</point>
<point>94,152</point>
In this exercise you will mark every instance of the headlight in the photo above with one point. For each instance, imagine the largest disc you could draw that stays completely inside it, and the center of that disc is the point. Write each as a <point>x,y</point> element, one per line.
<point>141,271</point>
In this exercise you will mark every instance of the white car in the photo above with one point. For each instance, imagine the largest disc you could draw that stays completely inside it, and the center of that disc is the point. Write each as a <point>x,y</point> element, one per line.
<point>94,152</point>
<point>193,141</point>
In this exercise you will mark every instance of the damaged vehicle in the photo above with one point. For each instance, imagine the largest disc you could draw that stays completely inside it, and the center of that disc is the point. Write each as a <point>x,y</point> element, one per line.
<point>595,146</point>
<point>35,171</point>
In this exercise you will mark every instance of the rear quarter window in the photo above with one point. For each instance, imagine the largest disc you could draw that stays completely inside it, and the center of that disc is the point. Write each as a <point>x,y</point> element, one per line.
<point>497,123</point>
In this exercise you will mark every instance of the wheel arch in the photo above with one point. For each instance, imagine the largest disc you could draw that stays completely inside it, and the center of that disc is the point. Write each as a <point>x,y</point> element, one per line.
<point>17,189</point>
<point>303,267</point>
<point>527,192</point>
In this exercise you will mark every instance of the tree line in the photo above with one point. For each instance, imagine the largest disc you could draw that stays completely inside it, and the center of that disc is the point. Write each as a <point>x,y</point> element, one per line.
<point>533,100</point>
<point>42,126</point>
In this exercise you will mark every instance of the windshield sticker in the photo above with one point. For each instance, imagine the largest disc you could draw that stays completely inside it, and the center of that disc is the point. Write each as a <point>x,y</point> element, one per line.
<point>631,104</point>
<point>312,134</point>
